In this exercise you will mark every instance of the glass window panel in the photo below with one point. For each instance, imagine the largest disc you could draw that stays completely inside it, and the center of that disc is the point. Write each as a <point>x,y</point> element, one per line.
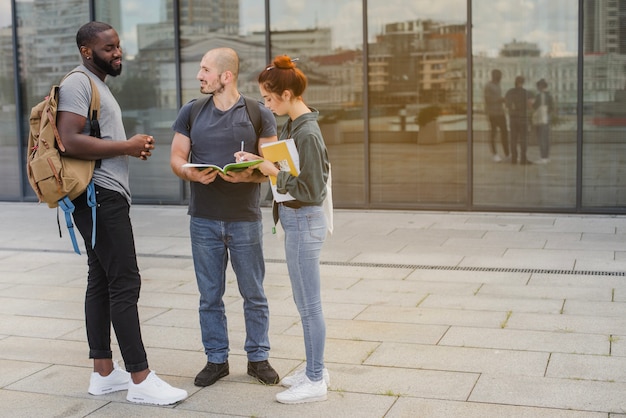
<point>239,25</point>
<point>46,37</point>
<point>326,36</point>
<point>604,108</point>
<point>146,90</point>
<point>417,76</point>
<point>536,40</point>
<point>10,167</point>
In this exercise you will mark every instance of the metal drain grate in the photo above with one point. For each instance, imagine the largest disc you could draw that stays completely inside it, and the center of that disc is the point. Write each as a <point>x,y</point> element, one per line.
<point>388,265</point>
<point>458,268</point>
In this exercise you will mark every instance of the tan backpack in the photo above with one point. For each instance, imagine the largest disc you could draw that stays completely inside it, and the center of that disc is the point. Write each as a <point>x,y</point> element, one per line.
<point>55,178</point>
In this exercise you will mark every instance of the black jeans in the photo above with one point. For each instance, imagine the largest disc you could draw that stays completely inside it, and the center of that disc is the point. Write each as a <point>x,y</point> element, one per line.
<point>113,282</point>
<point>498,122</point>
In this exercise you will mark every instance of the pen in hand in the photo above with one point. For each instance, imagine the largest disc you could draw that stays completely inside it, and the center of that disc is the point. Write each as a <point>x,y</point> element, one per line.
<point>241,157</point>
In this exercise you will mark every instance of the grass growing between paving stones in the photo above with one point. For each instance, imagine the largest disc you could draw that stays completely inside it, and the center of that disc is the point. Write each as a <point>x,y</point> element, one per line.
<point>506,320</point>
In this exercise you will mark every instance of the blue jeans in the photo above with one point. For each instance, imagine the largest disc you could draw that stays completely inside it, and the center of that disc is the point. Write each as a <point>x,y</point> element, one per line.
<point>543,137</point>
<point>305,232</point>
<point>113,281</point>
<point>211,243</point>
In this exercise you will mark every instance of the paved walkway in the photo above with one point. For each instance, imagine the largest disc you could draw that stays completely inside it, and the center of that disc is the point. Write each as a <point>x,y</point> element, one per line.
<point>429,314</point>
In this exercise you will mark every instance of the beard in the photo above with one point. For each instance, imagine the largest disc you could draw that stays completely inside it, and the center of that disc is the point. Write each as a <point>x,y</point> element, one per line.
<point>106,66</point>
<point>217,90</point>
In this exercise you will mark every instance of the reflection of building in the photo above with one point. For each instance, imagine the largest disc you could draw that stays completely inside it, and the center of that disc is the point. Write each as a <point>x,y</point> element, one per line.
<point>605,26</point>
<point>50,50</point>
<point>518,49</point>
<point>211,15</point>
<point>298,43</point>
<point>409,61</point>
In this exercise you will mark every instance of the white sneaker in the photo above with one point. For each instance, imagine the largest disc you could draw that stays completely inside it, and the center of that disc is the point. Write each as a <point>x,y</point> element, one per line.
<point>154,391</point>
<point>306,391</point>
<point>496,158</point>
<point>298,376</point>
<point>117,380</point>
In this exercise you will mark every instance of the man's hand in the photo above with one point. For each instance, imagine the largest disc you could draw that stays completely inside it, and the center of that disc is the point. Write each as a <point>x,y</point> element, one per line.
<point>249,175</point>
<point>140,146</point>
<point>205,176</point>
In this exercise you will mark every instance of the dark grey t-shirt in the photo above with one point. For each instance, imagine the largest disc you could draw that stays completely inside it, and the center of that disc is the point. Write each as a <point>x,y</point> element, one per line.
<point>75,97</point>
<point>215,137</point>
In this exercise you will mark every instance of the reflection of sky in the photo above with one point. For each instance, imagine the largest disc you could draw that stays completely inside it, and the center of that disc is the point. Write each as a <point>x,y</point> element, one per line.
<point>5,13</point>
<point>496,22</point>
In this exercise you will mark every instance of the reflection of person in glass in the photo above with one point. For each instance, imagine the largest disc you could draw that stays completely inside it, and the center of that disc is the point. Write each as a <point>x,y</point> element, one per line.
<point>495,112</point>
<point>543,106</point>
<point>225,211</point>
<point>518,101</point>
<point>282,85</point>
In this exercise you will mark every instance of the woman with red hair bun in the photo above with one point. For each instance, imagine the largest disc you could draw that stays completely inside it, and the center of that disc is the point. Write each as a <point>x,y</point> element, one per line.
<point>282,85</point>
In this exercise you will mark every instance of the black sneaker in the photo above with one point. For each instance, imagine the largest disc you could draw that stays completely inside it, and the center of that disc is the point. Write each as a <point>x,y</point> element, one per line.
<point>263,372</point>
<point>211,373</point>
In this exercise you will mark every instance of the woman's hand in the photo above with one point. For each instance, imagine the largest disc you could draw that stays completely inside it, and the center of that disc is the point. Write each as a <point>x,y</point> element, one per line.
<point>266,167</point>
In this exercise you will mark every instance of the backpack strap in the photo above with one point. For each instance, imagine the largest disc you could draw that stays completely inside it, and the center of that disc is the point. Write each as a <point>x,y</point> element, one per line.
<point>252,108</point>
<point>66,204</point>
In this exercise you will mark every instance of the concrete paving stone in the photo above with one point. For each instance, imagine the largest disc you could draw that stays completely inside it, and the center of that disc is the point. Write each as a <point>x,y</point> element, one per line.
<point>547,292</point>
<point>461,359</point>
<point>420,259</point>
<point>527,340</point>
<point>565,223</point>
<point>433,236</point>
<point>24,405</point>
<point>332,273</point>
<point>447,317</point>
<point>434,408</point>
<point>399,381</point>
<point>178,338</point>
<point>588,324</point>
<point>372,297</point>
<point>420,287</point>
<point>184,318</point>
<point>577,280</point>
<point>362,330</point>
<point>224,398</point>
<point>522,259</point>
<point>450,248</point>
<point>11,371</point>
<point>127,409</point>
<point>44,292</point>
<point>490,303</point>
<point>169,300</point>
<point>618,345</point>
<point>603,265</point>
<point>39,327</point>
<point>590,241</point>
<point>50,308</point>
<point>49,350</point>
<point>488,243</point>
<point>583,367</point>
<point>544,392</point>
<point>470,276</point>
<point>45,275</point>
<point>600,309</point>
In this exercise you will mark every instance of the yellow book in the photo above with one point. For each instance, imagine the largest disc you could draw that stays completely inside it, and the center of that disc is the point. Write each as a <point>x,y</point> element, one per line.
<point>284,155</point>
<point>228,167</point>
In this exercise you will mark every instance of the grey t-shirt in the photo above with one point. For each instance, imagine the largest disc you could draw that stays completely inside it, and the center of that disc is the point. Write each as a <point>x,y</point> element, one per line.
<point>75,97</point>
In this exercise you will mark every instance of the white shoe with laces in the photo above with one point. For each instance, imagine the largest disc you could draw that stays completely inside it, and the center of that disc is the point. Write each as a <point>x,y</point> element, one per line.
<point>305,391</point>
<point>154,391</point>
<point>117,380</point>
<point>298,376</point>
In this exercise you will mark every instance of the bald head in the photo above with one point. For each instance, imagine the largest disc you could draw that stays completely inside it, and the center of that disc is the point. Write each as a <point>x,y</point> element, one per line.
<point>224,59</point>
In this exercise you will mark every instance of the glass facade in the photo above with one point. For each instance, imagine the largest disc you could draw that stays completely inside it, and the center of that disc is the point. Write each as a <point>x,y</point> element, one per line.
<point>404,89</point>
